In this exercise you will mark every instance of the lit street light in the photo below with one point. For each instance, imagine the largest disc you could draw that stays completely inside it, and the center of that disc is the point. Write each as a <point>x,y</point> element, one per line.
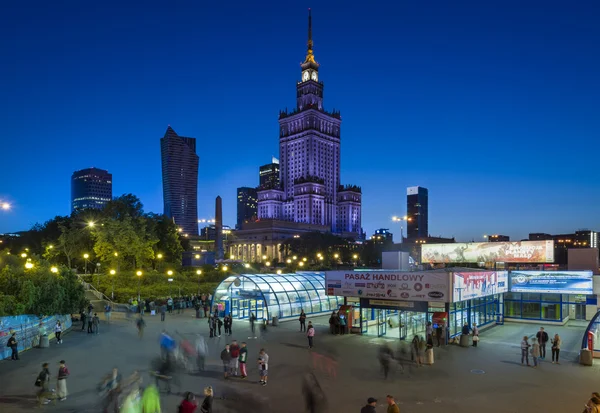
<point>301,263</point>
<point>169,272</point>
<point>139,275</point>
<point>53,270</point>
<point>268,264</point>
<point>278,271</point>
<point>28,265</point>
<point>289,261</point>
<point>400,219</point>
<point>199,272</point>
<point>112,273</point>
<point>24,255</point>
<point>86,256</point>
<point>91,224</point>
<point>264,257</point>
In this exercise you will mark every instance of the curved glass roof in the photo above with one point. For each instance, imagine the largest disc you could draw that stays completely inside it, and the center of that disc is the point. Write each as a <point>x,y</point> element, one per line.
<point>270,295</point>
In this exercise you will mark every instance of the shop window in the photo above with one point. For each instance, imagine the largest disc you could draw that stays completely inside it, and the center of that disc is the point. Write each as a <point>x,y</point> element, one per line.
<point>553,298</point>
<point>512,309</point>
<point>531,310</point>
<point>531,297</point>
<point>550,312</point>
<point>512,296</point>
<point>565,310</point>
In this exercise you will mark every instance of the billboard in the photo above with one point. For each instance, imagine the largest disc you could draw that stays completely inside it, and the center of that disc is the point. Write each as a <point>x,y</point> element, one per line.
<point>390,285</point>
<point>521,251</point>
<point>467,285</point>
<point>557,282</point>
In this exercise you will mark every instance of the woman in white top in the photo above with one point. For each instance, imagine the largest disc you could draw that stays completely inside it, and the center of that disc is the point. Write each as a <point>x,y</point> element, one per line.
<point>556,342</point>
<point>58,332</point>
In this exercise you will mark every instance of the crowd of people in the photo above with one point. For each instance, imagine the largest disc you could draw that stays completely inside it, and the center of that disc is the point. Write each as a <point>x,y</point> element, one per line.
<point>537,348</point>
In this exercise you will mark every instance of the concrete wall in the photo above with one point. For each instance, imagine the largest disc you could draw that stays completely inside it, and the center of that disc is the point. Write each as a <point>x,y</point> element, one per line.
<point>28,328</point>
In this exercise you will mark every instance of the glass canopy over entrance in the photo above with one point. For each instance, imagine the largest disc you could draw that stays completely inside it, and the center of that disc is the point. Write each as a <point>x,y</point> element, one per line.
<point>274,295</point>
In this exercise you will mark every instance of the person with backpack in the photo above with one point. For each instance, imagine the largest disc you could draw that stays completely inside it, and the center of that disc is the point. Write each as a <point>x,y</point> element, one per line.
<point>188,404</point>
<point>61,385</point>
<point>226,359</point>
<point>12,343</point>
<point>310,334</point>
<point>302,320</point>
<point>43,382</point>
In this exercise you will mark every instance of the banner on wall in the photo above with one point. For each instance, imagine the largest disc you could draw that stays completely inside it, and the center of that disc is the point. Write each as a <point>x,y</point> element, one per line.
<point>467,285</point>
<point>521,251</point>
<point>557,282</point>
<point>392,285</point>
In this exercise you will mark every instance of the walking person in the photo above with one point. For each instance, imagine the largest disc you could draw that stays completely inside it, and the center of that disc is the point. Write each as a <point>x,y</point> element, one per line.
<point>188,404</point>
<point>542,338</point>
<point>211,326</point>
<point>58,332</point>
<point>96,323</point>
<point>263,365</point>
<point>252,321</point>
<point>82,316</point>
<point>310,334</point>
<point>302,320</point>
<point>370,406</point>
<point>219,325</point>
<point>392,406</point>
<point>439,332</point>
<point>525,350</point>
<point>342,324</point>
<point>163,311</point>
<point>61,384</point>
<point>332,323</point>
<point>226,359</point>
<point>429,330</point>
<point>90,322</point>
<point>535,352</point>
<point>243,359</point>
<point>475,335</point>
<point>43,381</point>
<point>12,343</point>
<point>230,325</point>
<point>385,359</point>
<point>556,342</point>
<point>206,406</point>
<point>140,326</point>
<point>107,313</point>
<point>235,354</point>
<point>421,351</point>
<point>226,324</point>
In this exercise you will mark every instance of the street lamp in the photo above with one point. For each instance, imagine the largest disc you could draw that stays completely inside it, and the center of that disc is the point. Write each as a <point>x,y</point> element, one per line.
<point>336,256</point>
<point>24,255</point>
<point>304,259</point>
<point>400,219</point>
<point>294,257</point>
<point>53,270</point>
<point>159,256</point>
<point>224,268</point>
<point>112,273</point>
<point>278,271</point>
<point>86,256</point>
<point>301,264</point>
<point>355,258</point>
<point>267,264</point>
<point>139,275</point>
<point>289,261</point>
<point>197,256</point>
<point>264,257</point>
<point>91,224</point>
<point>199,272</point>
<point>28,265</point>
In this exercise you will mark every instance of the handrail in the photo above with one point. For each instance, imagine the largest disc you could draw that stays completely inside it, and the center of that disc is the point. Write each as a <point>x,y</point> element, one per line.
<point>88,286</point>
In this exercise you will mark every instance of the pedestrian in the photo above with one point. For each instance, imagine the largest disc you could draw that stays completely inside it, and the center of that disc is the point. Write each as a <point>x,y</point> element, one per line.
<point>429,329</point>
<point>252,321</point>
<point>226,324</point>
<point>556,342</point>
<point>43,381</point>
<point>385,359</point>
<point>593,404</point>
<point>310,334</point>
<point>211,326</point>
<point>414,349</point>
<point>58,331</point>
<point>263,365</point>
<point>439,332</point>
<point>82,316</point>
<point>475,335</point>
<point>465,330</point>
<point>370,407</point>
<point>142,306</point>
<point>206,406</point>
<point>107,313</point>
<point>535,352</point>
<point>392,406</point>
<point>96,323</point>
<point>421,351</point>
<point>542,338</point>
<point>342,324</point>
<point>61,385</point>
<point>226,359</point>
<point>13,344</point>
<point>235,354</point>
<point>151,400</point>
<point>525,350</point>
<point>243,359</point>
<point>188,404</point>
<point>202,351</point>
<point>170,305</point>
<point>140,326</point>
<point>302,320</point>
<point>219,325</point>
<point>111,385</point>
<point>332,323</point>
<point>230,325</point>
<point>90,322</point>
<point>336,323</point>
<point>163,311</point>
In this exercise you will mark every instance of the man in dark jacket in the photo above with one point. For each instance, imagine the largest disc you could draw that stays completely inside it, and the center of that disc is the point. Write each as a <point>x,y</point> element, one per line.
<point>226,359</point>
<point>12,343</point>
<point>542,338</point>
<point>370,407</point>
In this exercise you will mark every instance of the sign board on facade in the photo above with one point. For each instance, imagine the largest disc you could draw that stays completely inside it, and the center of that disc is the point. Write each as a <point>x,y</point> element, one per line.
<point>557,282</point>
<point>521,251</point>
<point>413,306</point>
<point>390,285</point>
<point>476,284</point>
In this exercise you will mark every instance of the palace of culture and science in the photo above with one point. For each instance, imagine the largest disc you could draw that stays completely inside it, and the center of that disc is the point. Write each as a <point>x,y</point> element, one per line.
<point>310,196</point>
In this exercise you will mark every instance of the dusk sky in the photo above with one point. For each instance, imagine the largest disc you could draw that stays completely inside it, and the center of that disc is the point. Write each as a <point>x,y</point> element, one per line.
<point>493,106</point>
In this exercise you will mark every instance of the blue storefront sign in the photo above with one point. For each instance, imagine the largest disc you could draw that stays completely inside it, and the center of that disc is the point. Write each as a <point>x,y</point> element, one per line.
<point>553,282</point>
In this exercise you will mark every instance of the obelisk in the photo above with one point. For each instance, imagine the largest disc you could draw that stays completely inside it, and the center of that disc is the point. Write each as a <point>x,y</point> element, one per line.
<point>219,229</point>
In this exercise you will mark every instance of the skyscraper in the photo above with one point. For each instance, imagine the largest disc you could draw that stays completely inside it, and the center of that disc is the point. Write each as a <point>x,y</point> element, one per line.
<point>246,205</point>
<point>268,175</point>
<point>91,188</point>
<point>180,180</point>
<point>309,154</point>
<point>417,206</point>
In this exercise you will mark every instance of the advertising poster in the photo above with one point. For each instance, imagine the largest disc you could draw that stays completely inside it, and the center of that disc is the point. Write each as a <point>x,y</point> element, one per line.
<point>467,285</point>
<point>558,282</point>
<point>390,285</point>
<point>521,251</point>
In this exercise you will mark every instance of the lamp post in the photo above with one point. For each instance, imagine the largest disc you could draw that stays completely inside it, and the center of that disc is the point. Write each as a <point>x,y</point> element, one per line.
<point>199,272</point>
<point>170,280</point>
<point>112,294</point>
<point>85,257</point>
<point>400,219</point>
<point>139,275</point>
<point>355,258</point>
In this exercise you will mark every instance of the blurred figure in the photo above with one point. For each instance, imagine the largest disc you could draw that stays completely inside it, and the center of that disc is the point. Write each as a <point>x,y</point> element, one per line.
<point>202,351</point>
<point>314,396</point>
<point>385,359</point>
<point>165,373</point>
<point>188,404</point>
<point>243,359</point>
<point>110,387</point>
<point>206,406</point>
<point>43,382</point>
<point>140,323</point>
<point>167,344</point>
<point>61,385</point>
<point>151,400</point>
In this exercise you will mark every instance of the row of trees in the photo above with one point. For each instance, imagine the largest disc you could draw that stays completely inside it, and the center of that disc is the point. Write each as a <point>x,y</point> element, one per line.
<point>37,289</point>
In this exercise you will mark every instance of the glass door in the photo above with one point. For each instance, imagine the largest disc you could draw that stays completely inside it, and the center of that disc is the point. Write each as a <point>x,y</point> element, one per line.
<point>579,311</point>
<point>381,322</point>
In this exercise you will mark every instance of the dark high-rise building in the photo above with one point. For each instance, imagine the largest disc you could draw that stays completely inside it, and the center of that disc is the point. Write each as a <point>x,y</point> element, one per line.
<point>247,200</point>
<point>180,180</point>
<point>90,189</point>
<point>268,175</point>
<point>417,212</point>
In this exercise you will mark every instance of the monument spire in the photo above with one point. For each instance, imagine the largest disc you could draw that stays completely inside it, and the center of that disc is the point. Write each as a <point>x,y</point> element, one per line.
<point>310,57</point>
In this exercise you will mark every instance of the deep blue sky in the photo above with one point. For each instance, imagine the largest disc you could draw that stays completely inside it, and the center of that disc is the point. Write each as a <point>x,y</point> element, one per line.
<point>493,106</point>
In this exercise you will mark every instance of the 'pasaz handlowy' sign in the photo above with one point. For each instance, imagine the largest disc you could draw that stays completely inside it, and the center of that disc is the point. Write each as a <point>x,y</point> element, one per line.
<point>390,285</point>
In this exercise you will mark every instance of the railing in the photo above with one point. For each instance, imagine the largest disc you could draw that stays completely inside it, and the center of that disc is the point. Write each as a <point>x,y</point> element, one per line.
<point>89,287</point>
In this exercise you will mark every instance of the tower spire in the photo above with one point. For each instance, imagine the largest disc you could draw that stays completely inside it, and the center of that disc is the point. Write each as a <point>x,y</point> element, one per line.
<point>310,57</point>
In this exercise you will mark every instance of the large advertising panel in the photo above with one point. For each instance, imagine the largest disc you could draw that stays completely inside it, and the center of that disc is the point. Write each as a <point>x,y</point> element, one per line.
<point>521,251</point>
<point>390,285</point>
<point>557,282</point>
<point>467,285</point>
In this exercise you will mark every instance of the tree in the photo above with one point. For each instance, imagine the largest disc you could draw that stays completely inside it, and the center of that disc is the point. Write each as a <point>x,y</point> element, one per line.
<point>69,243</point>
<point>169,241</point>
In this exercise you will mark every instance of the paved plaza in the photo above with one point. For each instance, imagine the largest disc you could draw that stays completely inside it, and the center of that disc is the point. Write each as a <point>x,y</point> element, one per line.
<point>488,378</point>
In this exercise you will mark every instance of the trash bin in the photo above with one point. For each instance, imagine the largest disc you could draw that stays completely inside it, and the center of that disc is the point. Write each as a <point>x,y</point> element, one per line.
<point>586,357</point>
<point>275,321</point>
<point>197,313</point>
<point>464,340</point>
<point>429,356</point>
<point>44,341</point>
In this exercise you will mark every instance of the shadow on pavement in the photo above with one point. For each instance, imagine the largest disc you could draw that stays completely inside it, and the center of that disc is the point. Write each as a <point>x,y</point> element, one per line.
<point>21,400</point>
<point>516,363</point>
